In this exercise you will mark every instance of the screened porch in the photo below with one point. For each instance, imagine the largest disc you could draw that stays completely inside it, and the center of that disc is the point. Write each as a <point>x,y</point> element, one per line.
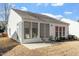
<point>35,30</point>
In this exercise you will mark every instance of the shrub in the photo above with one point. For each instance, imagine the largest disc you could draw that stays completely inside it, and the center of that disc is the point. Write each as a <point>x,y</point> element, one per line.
<point>72,37</point>
<point>50,38</point>
<point>60,39</point>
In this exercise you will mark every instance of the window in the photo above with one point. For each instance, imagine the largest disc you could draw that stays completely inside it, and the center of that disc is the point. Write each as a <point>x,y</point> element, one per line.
<point>56,31</point>
<point>27,26</point>
<point>41,30</point>
<point>34,30</point>
<point>60,31</point>
<point>47,30</point>
<point>56,28</point>
<point>44,30</point>
<point>30,30</point>
<point>63,31</point>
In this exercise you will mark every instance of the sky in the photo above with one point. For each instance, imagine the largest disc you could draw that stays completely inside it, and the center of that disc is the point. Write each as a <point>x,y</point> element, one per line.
<point>2,11</point>
<point>58,10</point>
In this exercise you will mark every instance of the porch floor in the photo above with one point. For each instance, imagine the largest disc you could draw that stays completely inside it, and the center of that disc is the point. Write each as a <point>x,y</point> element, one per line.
<point>37,45</point>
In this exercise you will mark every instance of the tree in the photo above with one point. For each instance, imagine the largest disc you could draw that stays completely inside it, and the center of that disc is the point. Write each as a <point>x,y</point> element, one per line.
<point>5,7</point>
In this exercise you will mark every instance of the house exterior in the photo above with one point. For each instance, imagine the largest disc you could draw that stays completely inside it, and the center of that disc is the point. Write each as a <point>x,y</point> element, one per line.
<point>27,27</point>
<point>73,27</point>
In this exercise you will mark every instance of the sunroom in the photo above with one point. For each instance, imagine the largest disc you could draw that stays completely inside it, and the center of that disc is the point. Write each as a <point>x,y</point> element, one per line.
<point>35,30</point>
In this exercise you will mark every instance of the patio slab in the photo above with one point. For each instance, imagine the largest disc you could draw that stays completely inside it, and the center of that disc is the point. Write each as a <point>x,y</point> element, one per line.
<point>37,45</point>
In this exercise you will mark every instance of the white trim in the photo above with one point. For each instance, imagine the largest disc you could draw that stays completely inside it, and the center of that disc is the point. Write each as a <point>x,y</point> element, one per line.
<point>38,30</point>
<point>31,30</point>
<point>22,29</point>
<point>42,21</point>
<point>36,21</point>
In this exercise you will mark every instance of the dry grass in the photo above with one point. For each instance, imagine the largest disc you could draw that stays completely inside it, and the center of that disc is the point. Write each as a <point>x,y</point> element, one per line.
<point>6,44</point>
<point>18,51</point>
<point>60,48</point>
<point>63,49</point>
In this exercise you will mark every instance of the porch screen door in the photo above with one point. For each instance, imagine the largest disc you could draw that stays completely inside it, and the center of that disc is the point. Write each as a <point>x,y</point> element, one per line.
<point>44,30</point>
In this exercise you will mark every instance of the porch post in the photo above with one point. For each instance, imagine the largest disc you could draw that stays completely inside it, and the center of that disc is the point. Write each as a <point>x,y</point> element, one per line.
<point>58,31</point>
<point>61,31</point>
<point>38,30</point>
<point>22,32</point>
<point>31,30</point>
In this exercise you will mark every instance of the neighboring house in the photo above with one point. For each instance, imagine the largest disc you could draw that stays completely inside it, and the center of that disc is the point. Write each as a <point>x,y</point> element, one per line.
<point>73,26</point>
<point>26,27</point>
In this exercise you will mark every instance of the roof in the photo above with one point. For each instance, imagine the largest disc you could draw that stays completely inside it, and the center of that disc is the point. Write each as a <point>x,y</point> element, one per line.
<point>27,14</point>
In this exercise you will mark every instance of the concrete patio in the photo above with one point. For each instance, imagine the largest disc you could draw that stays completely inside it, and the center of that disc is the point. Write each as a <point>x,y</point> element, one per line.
<point>37,45</point>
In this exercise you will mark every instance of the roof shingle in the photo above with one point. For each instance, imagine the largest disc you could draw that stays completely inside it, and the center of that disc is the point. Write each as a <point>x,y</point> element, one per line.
<point>27,14</point>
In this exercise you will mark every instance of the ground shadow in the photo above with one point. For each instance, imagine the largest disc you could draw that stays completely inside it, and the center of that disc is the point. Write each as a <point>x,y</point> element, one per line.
<point>8,48</point>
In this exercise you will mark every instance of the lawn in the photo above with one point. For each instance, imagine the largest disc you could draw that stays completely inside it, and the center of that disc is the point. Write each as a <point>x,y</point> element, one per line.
<point>12,48</point>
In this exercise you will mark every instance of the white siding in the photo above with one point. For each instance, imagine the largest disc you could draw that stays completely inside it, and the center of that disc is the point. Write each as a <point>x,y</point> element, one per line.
<point>13,24</point>
<point>52,29</point>
<point>73,27</point>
